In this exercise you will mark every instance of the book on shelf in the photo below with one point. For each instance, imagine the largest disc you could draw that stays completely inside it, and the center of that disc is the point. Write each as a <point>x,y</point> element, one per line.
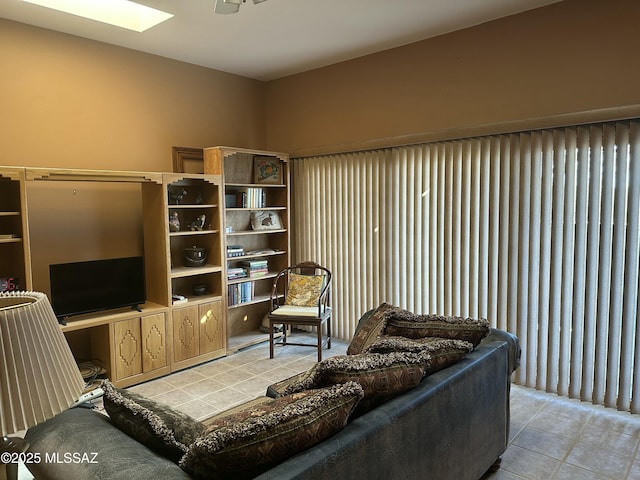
<point>235,251</point>
<point>255,264</point>
<point>234,273</point>
<point>249,197</point>
<point>256,268</point>
<point>240,293</point>
<point>261,272</point>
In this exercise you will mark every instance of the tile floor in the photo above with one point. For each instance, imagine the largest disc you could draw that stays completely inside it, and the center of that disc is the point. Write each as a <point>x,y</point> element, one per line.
<point>551,437</point>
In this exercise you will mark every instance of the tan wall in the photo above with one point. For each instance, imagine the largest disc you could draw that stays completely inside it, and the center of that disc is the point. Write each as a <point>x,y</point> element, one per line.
<point>71,102</point>
<point>573,56</point>
<point>77,103</point>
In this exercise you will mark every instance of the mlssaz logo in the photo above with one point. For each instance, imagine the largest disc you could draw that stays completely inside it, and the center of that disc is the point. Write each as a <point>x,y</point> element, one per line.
<point>71,457</point>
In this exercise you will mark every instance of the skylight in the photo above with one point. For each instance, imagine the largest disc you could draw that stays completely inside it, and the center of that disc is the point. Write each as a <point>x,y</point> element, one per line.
<point>121,13</point>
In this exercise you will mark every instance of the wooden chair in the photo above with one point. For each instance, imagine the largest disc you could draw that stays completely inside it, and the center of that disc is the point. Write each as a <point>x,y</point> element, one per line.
<point>301,296</point>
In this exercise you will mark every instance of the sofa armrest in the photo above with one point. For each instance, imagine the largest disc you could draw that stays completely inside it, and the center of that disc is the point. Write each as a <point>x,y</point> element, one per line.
<point>80,431</point>
<point>496,335</point>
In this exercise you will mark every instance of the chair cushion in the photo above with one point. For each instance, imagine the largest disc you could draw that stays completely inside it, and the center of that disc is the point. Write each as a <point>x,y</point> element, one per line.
<point>411,325</point>
<point>304,290</point>
<point>154,424</point>
<point>295,311</point>
<point>369,327</point>
<point>273,432</point>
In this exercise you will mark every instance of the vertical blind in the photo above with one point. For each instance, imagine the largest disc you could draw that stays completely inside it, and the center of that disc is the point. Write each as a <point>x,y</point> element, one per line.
<point>536,231</point>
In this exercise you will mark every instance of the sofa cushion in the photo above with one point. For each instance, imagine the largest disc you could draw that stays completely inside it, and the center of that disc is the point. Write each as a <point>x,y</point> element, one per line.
<point>369,327</point>
<point>403,323</point>
<point>443,351</point>
<point>382,375</point>
<point>256,443</point>
<point>156,425</point>
<point>253,407</point>
<point>306,380</point>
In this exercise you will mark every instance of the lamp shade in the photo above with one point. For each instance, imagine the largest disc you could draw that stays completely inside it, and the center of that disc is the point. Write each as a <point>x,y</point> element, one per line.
<point>39,377</point>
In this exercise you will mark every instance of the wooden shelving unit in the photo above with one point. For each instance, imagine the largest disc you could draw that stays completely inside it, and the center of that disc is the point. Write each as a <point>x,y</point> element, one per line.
<point>135,346</point>
<point>15,258</point>
<point>199,324</point>
<point>245,312</point>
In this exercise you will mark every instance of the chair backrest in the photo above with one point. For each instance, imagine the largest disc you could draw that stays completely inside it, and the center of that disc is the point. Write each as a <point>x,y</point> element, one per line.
<point>310,268</point>
<point>293,281</point>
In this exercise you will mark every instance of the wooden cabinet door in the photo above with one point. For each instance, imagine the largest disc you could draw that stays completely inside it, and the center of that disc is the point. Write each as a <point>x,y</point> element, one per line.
<point>128,358</point>
<point>154,338</point>
<point>186,333</point>
<point>211,327</point>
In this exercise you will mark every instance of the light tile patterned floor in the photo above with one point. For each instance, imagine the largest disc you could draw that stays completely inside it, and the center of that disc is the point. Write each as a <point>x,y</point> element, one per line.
<point>561,439</point>
<point>218,385</point>
<point>552,438</point>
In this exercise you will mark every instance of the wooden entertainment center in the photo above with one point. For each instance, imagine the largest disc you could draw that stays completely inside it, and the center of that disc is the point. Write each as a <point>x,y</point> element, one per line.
<point>168,333</point>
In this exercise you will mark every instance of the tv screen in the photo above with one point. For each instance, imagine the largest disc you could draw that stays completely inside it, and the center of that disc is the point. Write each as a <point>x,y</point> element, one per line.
<point>83,287</point>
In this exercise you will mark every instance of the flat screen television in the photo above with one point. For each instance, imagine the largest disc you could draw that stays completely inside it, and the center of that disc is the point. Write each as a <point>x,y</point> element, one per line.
<point>84,287</point>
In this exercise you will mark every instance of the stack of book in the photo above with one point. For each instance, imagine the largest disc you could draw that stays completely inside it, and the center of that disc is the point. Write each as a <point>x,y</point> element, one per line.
<point>256,268</point>
<point>235,251</point>
<point>234,273</point>
<point>240,293</point>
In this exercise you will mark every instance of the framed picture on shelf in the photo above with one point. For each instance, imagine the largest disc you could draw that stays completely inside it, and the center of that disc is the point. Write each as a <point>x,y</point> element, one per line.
<point>267,170</point>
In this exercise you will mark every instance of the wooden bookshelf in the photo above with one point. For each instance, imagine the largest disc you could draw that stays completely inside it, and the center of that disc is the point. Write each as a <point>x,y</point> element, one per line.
<point>238,169</point>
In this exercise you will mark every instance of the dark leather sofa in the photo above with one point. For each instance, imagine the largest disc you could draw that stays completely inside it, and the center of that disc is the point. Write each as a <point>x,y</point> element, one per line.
<point>454,425</point>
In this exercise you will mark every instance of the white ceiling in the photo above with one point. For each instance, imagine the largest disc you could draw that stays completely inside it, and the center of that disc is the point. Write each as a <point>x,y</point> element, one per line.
<point>277,38</point>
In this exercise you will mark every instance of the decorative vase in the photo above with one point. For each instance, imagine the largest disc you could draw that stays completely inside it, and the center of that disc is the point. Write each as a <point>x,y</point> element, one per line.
<point>174,222</point>
<point>195,256</point>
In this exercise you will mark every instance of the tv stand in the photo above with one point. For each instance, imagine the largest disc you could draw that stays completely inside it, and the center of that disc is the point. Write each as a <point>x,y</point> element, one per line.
<point>130,343</point>
<point>137,308</point>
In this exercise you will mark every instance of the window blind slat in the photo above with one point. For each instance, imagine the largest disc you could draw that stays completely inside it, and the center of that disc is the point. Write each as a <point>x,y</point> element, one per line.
<point>546,223</point>
<point>589,301</point>
<point>578,362</point>
<point>483,279</point>
<point>496,266</point>
<point>604,274</point>
<point>631,308</point>
<point>556,261</point>
<point>617,267</point>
